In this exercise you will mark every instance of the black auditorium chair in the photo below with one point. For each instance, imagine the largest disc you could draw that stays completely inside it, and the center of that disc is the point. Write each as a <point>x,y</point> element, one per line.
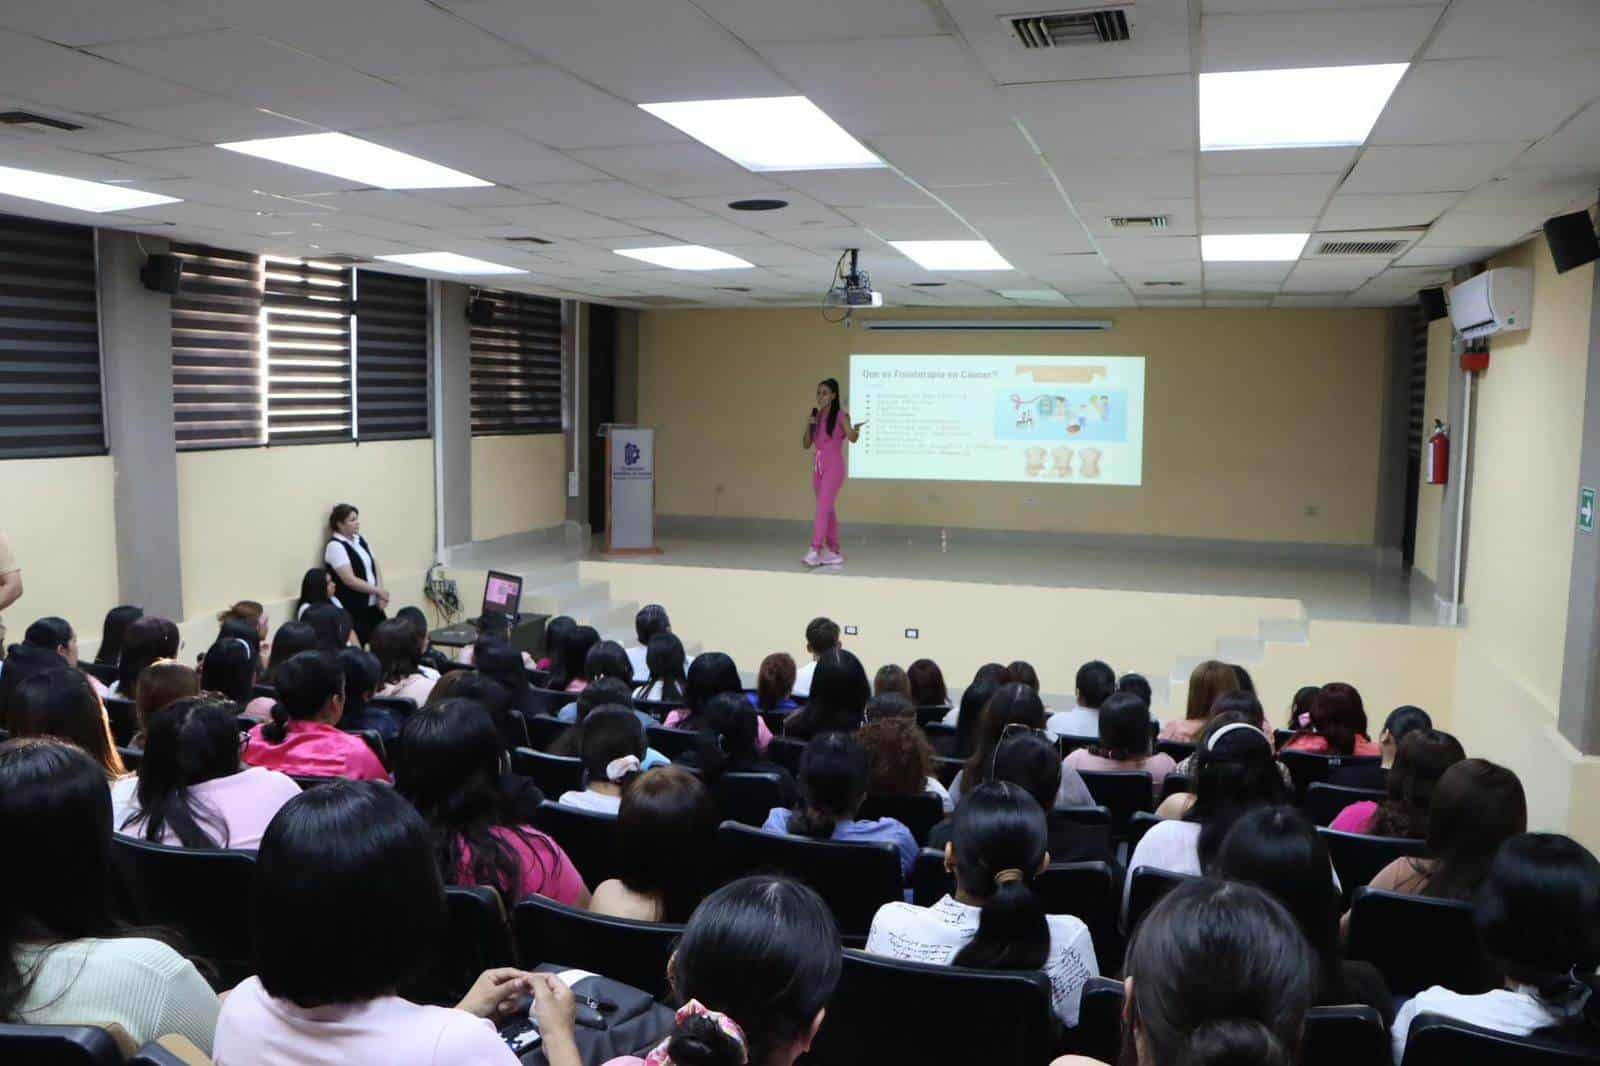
<point>105,673</point>
<point>929,879</point>
<point>1080,834</point>
<point>919,812</point>
<point>1140,824</point>
<point>657,709</point>
<point>544,730</point>
<point>124,719</point>
<point>1306,769</point>
<point>635,953</point>
<point>1174,783</point>
<point>1098,1033</point>
<point>855,878</point>
<point>945,768</point>
<point>929,715</point>
<point>1069,744</point>
<point>774,721</point>
<point>960,1016</point>
<point>58,1045</point>
<point>1435,1040</point>
<point>1179,750</point>
<point>400,707</point>
<point>673,743</point>
<point>477,938</point>
<point>1124,793</point>
<point>786,752</point>
<point>1418,942</point>
<point>132,758</point>
<point>549,701</point>
<point>1357,857</point>
<point>588,838</point>
<point>1088,892</point>
<point>169,1050</point>
<point>1323,801</point>
<point>1147,885</point>
<point>747,798</point>
<point>197,891</point>
<point>941,737</point>
<point>554,774</point>
<point>261,691</point>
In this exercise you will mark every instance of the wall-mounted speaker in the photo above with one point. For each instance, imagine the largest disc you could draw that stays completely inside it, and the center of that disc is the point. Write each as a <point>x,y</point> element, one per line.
<point>1432,303</point>
<point>480,311</point>
<point>162,273</point>
<point>1572,240</point>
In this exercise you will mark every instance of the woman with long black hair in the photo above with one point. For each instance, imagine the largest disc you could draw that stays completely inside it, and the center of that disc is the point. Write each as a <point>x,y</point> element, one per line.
<point>828,428</point>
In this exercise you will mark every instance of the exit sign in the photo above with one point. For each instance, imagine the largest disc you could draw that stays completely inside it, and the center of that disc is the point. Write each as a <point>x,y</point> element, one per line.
<point>1586,509</point>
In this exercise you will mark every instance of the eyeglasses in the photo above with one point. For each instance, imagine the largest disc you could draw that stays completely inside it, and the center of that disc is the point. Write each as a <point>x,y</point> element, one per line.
<point>1013,729</point>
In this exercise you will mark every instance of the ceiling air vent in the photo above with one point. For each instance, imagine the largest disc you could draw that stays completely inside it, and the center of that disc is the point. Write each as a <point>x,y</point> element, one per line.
<point>1137,221</point>
<point>1060,29</point>
<point>1360,247</point>
<point>41,123</point>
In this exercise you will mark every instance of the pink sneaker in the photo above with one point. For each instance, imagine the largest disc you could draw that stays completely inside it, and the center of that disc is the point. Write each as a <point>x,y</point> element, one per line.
<point>812,558</point>
<point>831,558</point>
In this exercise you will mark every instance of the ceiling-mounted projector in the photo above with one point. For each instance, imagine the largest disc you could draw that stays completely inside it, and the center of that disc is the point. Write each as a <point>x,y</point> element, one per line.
<point>854,288</point>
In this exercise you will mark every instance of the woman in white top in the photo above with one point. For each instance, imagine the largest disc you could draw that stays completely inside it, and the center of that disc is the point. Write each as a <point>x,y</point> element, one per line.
<point>994,921</point>
<point>394,642</point>
<point>613,751</point>
<point>192,790</point>
<point>355,571</point>
<point>1538,916</point>
<point>64,958</point>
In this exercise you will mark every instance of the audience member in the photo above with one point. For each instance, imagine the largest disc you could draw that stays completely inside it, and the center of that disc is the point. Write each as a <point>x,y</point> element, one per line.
<point>62,704</point>
<point>291,639</point>
<point>229,669</point>
<point>833,782</point>
<point>663,670</point>
<point>500,662</point>
<point>431,662</point>
<point>1137,684</point>
<point>1206,682</point>
<point>316,586</point>
<point>607,660</point>
<point>347,908</point>
<point>1538,917</point>
<point>666,819</point>
<point>1013,707</point>
<point>822,636</point>
<point>1230,707</point>
<point>969,713</point>
<point>775,684</point>
<point>191,790</point>
<point>927,684</point>
<point>112,631</point>
<point>1476,807</point>
<point>711,674</point>
<point>557,632</point>
<point>1375,776</point>
<point>332,624</point>
<point>363,674</point>
<point>1423,758</point>
<point>1338,724</point>
<point>519,796</point>
<point>900,759</point>
<point>649,623</point>
<point>891,678</point>
<point>163,681</point>
<point>1300,708</point>
<point>754,970</point>
<point>730,742</point>
<point>303,738</point>
<point>492,628</point>
<point>613,750</point>
<point>394,642</point>
<point>1124,742</point>
<point>1093,686</point>
<point>567,672</point>
<point>1246,682</point>
<point>839,694</point>
<point>143,642</point>
<point>994,921</point>
<point>449,767</point>
<point>607,692</point>
<point>48,644</point>
<point>65,959</point>
<point>249,613</point>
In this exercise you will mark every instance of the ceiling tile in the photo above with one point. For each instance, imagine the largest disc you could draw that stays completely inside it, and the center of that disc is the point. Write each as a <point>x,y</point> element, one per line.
<point>911,223</point>
<point>1467,100</point>
<point>1240,276</point>
<point>1241,196</point>
<point>878,186</point>
<point>784,21</point>
<point>1376,212</point>
<point>29,154</point>
<point>1084,269</point>
<point>231,168</point>
<point>1429,167</point>
<point>561,220</point>
<point>66,78</point>
<point>1279,161</point>
<point>980,156</point>
<point>802,211</point>
<point>1129,250</point>
<point>1322,38</point>
<point>1476,28</point>
<point>1027,201</point>
<point>1425,254</point>
<point>1114,116</point>
<point>1301,301</point>
<point>212,119</point>
<point>684,169</point>
<point>1527,194</point>
<point>615,199</point>
<point>1572,151</point>
<point>1058,234</point>
<point>1313,276</point>
<point>1457,228</point>
<point>97,136</point>
<point>486,151</point>
<point>1163,175</point>
<point>1267,224</point>
<point>77,23</point>
<point>716,232</point>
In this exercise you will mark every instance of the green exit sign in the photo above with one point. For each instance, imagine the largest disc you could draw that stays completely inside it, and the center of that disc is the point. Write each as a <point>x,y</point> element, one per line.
<point>1586,509</point>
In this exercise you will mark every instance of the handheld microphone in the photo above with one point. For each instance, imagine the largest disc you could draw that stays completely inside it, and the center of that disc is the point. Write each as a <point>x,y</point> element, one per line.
<point>813,414</point>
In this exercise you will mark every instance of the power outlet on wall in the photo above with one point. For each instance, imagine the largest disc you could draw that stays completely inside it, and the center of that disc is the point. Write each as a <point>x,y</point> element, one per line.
<point>850,631</point>
<point>913,634</point>
<point>572,484</point>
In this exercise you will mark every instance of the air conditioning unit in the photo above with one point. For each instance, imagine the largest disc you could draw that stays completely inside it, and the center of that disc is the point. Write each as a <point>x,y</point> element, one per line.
<point>1495,301</point>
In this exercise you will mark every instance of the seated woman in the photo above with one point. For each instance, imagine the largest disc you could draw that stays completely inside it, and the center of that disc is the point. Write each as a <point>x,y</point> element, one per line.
<point>729,743</point>
<point>449,768</point>
<point>666,838</point>
<point>891,678</point>
<point>968,713</point>
<point>163,681</point>
<point>316,586</point>
<point>62,704</point>
<point>327,971</point>
<point>833,782</point>
<point>229,669</point>
<point>1012,708</point>
<point>362,676</point>
<point>1338,724</point>
<point>429,659</point>
<point>666,679</point>
<point>1023,673</point>
<point>499,661</point>
<point>927,684</point>
<point>838,697</point>
<point>754,970</point>
<point>775,684</point>
<point>994,921</point>
<point>1230,707</point>
<point>1402,721</point>
<point>291,639</point>
<point>613,750</point>
<point>1477,806</point>
<point>900,755</point>
<point>143,642</point>
<point>1124,742</point>
<point>1277,849</point>
<point>1423,758</point>
<point>711,674</point>
<point>567,672</point>
<point>112,629</point>
<point>394,642</point>
<point>1206,682</point>
<point>332,624</point>
<point>65,959</point>
<point>191,790</point>
<point>556,633</point>
<point>1538,916</point>
<point>303,739</point>
<point>606,661</point>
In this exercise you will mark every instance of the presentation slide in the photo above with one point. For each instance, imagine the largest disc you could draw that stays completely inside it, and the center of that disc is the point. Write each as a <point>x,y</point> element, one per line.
<point>1061,419</point>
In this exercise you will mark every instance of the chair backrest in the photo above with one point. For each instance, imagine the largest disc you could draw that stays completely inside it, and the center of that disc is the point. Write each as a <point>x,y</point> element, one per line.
<point>169,1050</point>
<point>105,673</point>
<point>996,1017</point>
<point>549,700</point>
<point>477,938</point>
<point>1306,769</point>
<point>1068,743</point>
<point>919,812</point>
<point>1088,892</point>
<point>544,730</point>
<point>1140,824</point>
<point>554,774</point>
<point>633,952</point>
<point>124,718</point>
<point>1435,1040</point>
<point>1123,792</point>
<point>1099,1031</point>
<point>198,891</point>
<point>1357,857</point>
<point>1173,783</point>
<point>747,798</point>
<point>1418,942</point>
<point>927,715</point>
<point>132,758</point>
<point>855,878</point>
<point>942,738</point>
<point>263,691</point>
<point>929,879</point>
<point>945,768</point>
<point>657,709</point>
<point>1080,834</point>
<point>1146,886</point>
<point>673,743</point>
<point>588,838</point>
<point>58,1045</point>
<point>786,752</point>
<point>1179,750</point>
<point>1323,801</point>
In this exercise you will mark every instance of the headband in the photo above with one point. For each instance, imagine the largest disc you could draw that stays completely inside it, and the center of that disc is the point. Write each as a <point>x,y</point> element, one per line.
<point>695,1009</point>
<point>1005,877</point>
<point>617,769</point>
<point>245,644</point>
<point>1230,727</point>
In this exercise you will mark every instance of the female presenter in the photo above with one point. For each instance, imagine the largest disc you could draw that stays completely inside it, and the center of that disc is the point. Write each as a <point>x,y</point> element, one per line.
<point>828,428</point>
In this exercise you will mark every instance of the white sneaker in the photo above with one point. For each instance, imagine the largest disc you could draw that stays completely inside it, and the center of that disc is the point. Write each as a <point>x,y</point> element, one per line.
<point>831,558</point>
<point>811,558</point>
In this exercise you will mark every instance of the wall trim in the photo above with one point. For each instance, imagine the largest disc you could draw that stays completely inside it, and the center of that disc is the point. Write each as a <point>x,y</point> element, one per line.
<point>569,537</point>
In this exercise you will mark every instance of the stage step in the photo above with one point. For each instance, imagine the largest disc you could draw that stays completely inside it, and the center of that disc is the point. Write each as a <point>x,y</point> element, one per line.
<point>1246,651</point>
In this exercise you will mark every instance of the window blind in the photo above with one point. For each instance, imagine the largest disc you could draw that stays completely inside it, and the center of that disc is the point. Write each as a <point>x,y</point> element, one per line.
<point>216,350</point>
<point>391,356</point>
<point>306,324</point>
<point>516,366</point>
<point>49,341</point>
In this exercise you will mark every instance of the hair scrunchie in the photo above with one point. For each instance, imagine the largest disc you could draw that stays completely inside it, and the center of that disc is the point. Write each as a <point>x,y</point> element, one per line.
<point>617,769</point>
<point>695,1009</point>
<point>1005,877</point>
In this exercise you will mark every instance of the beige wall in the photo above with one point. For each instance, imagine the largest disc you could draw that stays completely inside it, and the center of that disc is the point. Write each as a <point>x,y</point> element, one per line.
<point>519,483</point>
<point>59,517</point>
<point>1435,404</point>
<point>1250,417</point>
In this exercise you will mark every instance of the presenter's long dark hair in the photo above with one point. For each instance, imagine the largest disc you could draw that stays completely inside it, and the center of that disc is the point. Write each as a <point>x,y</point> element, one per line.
<point>833,411</point>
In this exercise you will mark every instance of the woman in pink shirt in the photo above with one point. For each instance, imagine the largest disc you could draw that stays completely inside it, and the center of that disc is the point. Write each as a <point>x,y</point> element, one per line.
<point>1124,742</point>
<point>710,674</point>
<point>1423,757</point>
<point>349,909</point>
<point>191,790</point>
<point>449,768</point>
<point>828,428</point>
<point>1338,724</point>
<point>303,739</point>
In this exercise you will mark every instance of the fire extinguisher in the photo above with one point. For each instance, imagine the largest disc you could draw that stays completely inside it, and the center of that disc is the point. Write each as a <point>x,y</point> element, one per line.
<point>1439,454</point>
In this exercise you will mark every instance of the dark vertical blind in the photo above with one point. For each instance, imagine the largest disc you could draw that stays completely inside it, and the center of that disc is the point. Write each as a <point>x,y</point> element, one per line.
<point>216,350</point>
<point>516,366</point>
<point>391,356</point>
<point>49,341</point>
<point>309,370</point>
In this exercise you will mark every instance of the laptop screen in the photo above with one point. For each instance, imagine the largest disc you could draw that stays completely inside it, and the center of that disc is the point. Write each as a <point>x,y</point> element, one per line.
<point>502,593</point>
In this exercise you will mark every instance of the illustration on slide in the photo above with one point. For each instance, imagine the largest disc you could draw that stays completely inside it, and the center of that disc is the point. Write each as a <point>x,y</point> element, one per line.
<point>1072,414</point>
<point>1034,459</point>
<point>1061,461</point>
<point>1090,460</point>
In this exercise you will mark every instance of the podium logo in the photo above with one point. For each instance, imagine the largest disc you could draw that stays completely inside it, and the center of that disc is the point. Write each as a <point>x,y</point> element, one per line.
<point>630,454</point>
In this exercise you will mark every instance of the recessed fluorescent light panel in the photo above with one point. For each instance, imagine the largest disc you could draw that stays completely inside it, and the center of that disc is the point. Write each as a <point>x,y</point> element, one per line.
<point>1316,107</point>
<point>1034,296</point>
<point>353,159</point>
<point>768,133</point>
<point>686,257</point>
<point>953,255</point>
<point>1252,247</point>
<point>450,263</point>
<point>76,193</point>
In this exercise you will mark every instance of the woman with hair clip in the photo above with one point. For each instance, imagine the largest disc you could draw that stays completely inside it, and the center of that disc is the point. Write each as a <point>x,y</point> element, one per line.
<point>449,767</point>
<point>729,742</point>
<point>828,428</point>
<point>355,571</point>
<point>1014,706</point>
<point>839,695</point>
<point>754,970</point>
<point>667,824</point>
<point>229,669</point>
<point>833,783</point>
<point>394,642</point>
<point>303,739</point>
<point>1217,973</point>
<point>1338,724</point>
<point>1538,917</point>
<point>664,665</point>
<point>613,751</point>
<point>994,921</point>
<point>191,790</point>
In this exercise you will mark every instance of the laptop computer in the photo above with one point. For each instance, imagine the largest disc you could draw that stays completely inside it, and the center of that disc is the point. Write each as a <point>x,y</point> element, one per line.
<point>502,594</point>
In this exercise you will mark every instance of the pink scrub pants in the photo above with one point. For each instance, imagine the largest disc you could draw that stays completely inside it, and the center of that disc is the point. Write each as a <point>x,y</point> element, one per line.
<point>826,481</point>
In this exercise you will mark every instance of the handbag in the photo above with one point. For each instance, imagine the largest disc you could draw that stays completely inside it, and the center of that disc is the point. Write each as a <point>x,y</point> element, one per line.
<point>613,1019</point>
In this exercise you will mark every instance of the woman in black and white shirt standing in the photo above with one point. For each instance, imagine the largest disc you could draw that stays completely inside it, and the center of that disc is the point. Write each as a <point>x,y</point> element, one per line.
<point>355,571</point>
